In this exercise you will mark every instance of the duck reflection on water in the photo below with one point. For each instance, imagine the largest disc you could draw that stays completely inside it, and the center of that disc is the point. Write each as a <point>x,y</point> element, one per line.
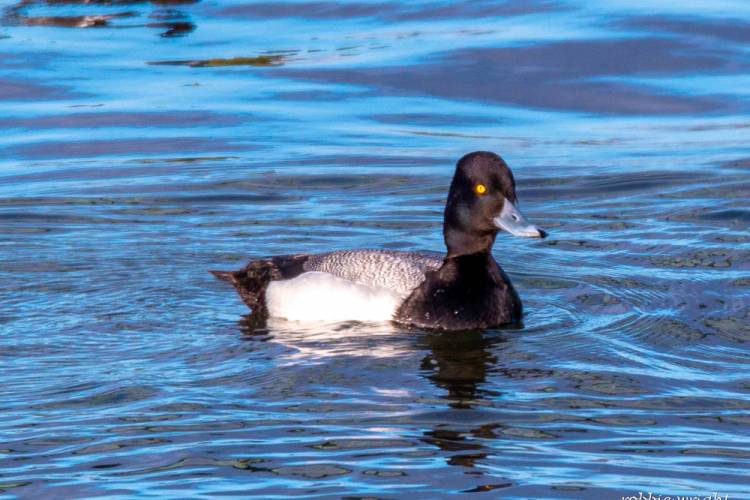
<point>457,364</point>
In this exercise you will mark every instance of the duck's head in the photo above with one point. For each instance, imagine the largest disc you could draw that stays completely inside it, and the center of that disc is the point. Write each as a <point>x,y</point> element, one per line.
<point>481,201</point>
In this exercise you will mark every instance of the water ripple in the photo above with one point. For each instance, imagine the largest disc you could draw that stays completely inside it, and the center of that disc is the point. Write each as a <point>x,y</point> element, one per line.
<point>148,141</point>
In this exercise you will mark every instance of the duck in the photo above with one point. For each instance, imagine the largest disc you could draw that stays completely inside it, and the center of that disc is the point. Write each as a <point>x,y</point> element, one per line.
<point>463,289</point>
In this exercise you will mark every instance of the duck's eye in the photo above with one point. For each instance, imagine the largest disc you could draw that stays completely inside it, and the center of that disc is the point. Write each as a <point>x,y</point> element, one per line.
<point>480,189</point>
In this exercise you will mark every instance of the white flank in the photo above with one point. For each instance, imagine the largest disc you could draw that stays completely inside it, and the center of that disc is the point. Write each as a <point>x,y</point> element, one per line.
<point>317,296</point>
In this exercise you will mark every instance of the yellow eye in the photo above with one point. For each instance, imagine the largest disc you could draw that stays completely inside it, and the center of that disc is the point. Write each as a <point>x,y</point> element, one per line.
<point>480,189</point>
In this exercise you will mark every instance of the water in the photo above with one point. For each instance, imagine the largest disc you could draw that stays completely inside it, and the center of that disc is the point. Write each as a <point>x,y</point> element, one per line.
<point>144,143</point>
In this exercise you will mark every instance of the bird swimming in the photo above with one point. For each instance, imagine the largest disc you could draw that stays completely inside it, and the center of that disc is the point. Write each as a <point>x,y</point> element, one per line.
<point>464,289</point>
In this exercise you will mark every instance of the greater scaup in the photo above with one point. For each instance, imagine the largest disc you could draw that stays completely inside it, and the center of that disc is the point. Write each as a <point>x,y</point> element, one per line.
<point>465,289</point>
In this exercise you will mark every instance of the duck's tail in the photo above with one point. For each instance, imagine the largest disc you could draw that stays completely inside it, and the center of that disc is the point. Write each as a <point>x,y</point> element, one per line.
<point>252,280</point>
<point>224,275</point>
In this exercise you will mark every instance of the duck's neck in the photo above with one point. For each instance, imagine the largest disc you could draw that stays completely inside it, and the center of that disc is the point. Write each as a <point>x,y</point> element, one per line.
<point>460,243</point>
<point>468,268</point>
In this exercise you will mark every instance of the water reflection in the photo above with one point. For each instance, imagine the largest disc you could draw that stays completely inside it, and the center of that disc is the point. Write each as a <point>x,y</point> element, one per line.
<point>261,61</point>
<point>458,363</point>
<point>319,124</point>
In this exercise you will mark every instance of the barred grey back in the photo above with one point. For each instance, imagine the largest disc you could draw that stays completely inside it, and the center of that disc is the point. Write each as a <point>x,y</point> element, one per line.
<point>390,269</point>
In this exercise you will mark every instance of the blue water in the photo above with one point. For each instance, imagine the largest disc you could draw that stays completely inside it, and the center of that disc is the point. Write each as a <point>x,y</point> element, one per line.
<point>145,142</point>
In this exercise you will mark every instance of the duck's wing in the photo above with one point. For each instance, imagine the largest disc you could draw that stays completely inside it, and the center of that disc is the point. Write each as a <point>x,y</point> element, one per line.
<point>400,272</point>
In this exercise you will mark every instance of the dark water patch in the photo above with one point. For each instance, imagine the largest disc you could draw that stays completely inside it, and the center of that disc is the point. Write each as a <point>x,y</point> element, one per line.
<point>715,126</point>
<point>735,327</point>
<point>719,191</point>
<point>193,463</point>
<point>122,147</point>
<point>52,201</point>
<point>56,219</point>
<point>311,10</point>
<point>734,216</point>
<point>314,95</point>
<point>86,172</point>
<point>678,332</point>
<point>74,106</point>
<point>347,444</point>
<point>221,199</point>
<point>717,452</point>
<point>446,134</point>
<point>616,185</point>
<point>312,471</point>
<point>150,198</point>
<point>640,181</point>
<point>386,184</point>
<point>22,90</point>
<point>729,29</point>
<point>740,163</point>
<point>371,160</point>
<point>114,397</point>
<point>391,11</point>
<point>542,76</point>
<point>431,119</point>
<point>68,389</point>
<point>475,9</point>
<point>26,59</point>
<point>186,159</point>
<point>25,230</point>
<point>723,258</point>
<point>156,211</point>
<point>113,119</point>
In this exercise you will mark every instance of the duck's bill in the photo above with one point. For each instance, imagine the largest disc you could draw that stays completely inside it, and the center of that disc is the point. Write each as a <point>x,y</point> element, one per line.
<point>512,220</point>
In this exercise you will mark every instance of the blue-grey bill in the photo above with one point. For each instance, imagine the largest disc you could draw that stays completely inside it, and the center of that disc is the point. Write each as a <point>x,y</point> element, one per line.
<point>512,220</point>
